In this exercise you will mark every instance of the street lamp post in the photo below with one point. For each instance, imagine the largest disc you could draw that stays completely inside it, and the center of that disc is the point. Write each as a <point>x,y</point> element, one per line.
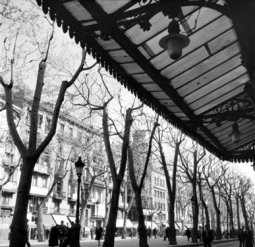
<point>76,227</point>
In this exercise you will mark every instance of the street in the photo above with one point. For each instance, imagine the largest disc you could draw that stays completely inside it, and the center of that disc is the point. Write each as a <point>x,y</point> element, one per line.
<point>182,241</point>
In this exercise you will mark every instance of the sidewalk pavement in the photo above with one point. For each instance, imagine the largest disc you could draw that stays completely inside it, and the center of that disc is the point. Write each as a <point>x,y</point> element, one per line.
<point>158,242</point>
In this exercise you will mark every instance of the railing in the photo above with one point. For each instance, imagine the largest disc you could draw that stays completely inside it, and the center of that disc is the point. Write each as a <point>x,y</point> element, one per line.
<point>43,169</point>
<point>72,196</point>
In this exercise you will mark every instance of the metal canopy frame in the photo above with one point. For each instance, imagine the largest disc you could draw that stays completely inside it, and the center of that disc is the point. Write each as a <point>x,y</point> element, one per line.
<point>123,39</point>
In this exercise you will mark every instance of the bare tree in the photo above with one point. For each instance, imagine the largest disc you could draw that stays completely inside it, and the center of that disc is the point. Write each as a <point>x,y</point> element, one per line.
<point>137,185</point>
<point>213,173</point>
<point>127,206</point>
<point>173,139</point>
<point>226,192</point>
<point>189,166</point>
<point>245,187</point>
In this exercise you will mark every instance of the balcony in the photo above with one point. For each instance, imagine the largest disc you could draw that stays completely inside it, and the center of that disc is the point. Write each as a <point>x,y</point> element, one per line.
<point>7,162</point>
<point>72,197</point>
<point>38,191</point>
<point>42,169</point>
<point>10,187</point>
<point>59,195</point>
<point>8,204</point>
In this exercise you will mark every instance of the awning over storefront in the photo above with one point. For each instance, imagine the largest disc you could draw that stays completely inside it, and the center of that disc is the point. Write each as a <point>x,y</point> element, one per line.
<point>48,220</point>
<point>152,225</point>
<point>147,224</point>
<point>120,222</point>
<point>188,225</point>
<point>148,212</point>
<point>71,218</point>
<point>59,217</point>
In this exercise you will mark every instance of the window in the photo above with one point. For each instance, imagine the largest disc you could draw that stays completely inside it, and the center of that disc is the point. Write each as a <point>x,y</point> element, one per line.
<point>33,203</point>
<point>40,121</point>
<point>71,132</point>
<point>79,136</point>
<point>44,182</point>
<point>35,180</point>
<point>48,124</point>
<point>9,158</point>
<point>59,185</point>
<point>62,128</point>
<point>72,209</point>
<point>6,198</point>
<point>57,206</point>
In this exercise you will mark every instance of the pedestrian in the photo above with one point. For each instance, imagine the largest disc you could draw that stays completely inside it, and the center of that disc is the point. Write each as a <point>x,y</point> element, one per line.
<point>188,233</point>
<point>166,235</point>
<point>131,232</point>
<point>148,231</point>
<point>63,232</point>
<point>248,238</point>
<point>241,236</point>
<point>53,236</point>
<point>207,236</point>
<point>92,231</point>
<point>27,235</point>
<point>154,232</point>
<point>99,233</point>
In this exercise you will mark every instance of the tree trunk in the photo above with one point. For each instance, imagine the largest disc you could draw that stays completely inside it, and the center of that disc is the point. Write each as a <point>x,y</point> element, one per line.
<point>172,231</point>
<point>237,213</point>
<point>124,230</point>
<point>82,218</point>
<point>244,212</point>
<point>1,188</point>
<point>195,212</point>
<point>207,217</point>
<point>141,226</point>
<point>111,225</point>
<point>231,219</point>
<point>18,228</point>
<point>39,223</point>
<point>218,225</point>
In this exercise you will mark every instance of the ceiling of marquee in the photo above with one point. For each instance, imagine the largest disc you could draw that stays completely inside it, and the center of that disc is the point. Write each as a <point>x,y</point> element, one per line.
<point>201,93</point>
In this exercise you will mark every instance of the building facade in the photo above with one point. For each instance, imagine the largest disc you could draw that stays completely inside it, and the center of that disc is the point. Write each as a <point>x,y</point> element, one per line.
<point>72,139</point>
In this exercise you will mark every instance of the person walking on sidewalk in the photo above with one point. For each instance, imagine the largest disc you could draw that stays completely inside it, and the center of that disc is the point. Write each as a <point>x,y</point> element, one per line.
<point>241,235</point>
<point>53,236</point>
<point>99,232</point>
<point>188,233</point>
<point>207,236</point>
<point>166,235</point>
<point>154,232</point>
<point>248,239</point>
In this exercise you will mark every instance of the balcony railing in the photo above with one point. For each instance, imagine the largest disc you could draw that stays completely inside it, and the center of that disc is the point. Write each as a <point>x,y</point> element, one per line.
<point>60,195</point>
<point>72,196</point>
<point>43,169</point>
